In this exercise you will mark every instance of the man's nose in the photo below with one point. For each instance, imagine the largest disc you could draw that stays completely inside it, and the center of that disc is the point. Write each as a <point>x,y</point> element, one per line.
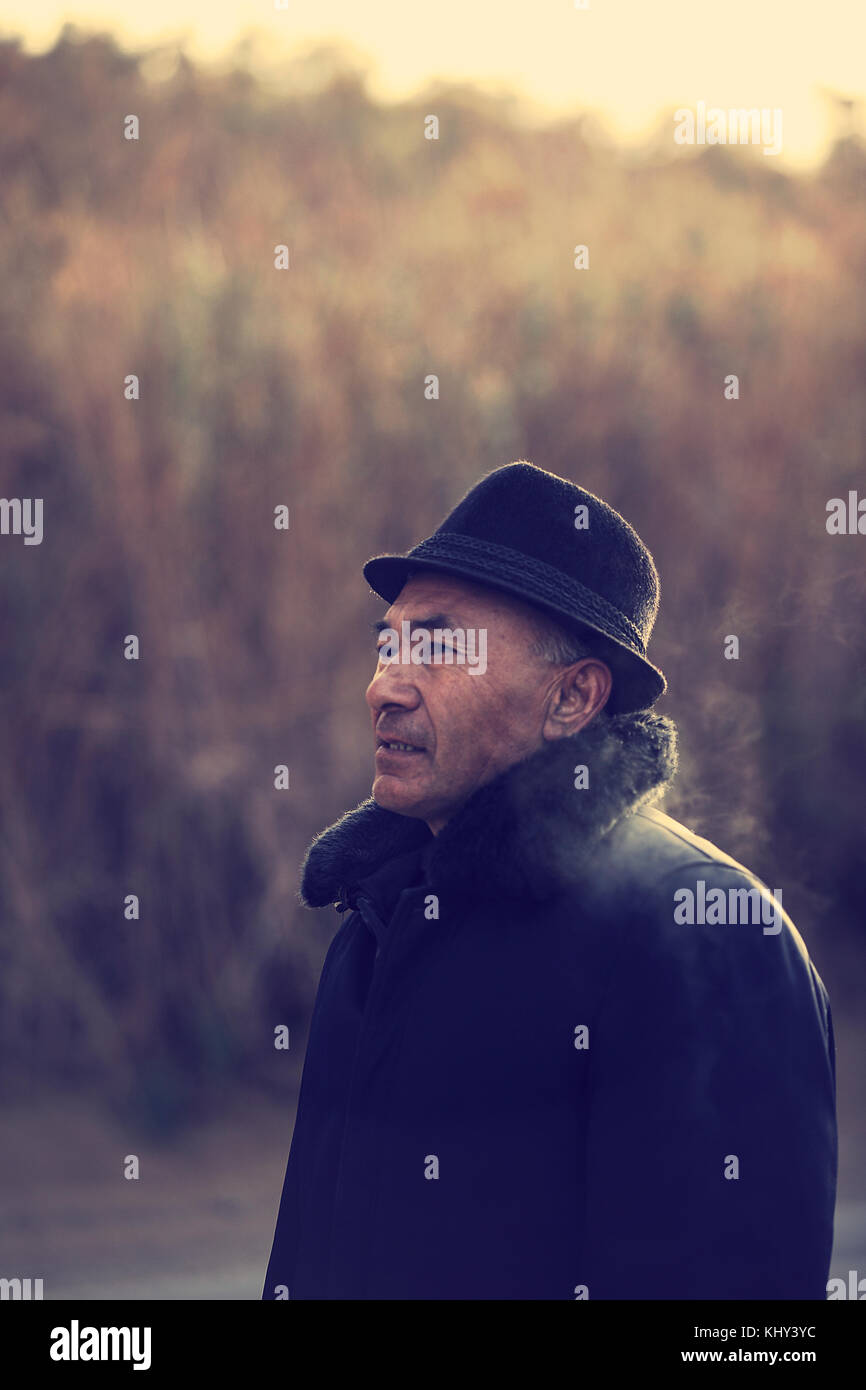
<point>393,684</point>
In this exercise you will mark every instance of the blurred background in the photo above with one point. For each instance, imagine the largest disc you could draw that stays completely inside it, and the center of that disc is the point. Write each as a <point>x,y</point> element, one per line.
<point>154,1035</point>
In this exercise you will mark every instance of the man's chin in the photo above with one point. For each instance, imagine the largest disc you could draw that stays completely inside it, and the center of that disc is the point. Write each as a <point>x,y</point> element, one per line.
<point>394,795</point>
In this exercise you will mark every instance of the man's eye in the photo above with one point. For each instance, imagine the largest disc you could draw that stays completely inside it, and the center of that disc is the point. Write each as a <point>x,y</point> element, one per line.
<point>385,651</point>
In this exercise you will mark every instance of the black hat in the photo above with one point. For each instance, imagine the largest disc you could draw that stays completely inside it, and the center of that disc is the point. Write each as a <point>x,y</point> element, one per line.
<point>525,531</point>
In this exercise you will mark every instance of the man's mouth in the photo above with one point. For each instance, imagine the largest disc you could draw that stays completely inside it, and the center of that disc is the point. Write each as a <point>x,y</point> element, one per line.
<point>394,745</point>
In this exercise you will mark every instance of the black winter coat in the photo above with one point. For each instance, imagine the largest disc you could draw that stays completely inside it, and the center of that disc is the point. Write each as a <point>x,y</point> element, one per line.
<point>528,1077</point>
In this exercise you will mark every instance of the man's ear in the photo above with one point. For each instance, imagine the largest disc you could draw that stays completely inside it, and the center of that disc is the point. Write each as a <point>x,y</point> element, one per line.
<point>580,692</point>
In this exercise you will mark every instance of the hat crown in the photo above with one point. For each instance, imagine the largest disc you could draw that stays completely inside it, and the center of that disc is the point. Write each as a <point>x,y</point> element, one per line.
<point>526,509</point>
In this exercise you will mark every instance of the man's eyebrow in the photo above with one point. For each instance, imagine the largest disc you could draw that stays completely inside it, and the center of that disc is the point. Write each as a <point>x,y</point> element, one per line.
<point>437,620</point>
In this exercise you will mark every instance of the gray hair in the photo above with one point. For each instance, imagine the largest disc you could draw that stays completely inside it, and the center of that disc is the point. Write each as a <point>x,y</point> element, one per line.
<point>555,644</point>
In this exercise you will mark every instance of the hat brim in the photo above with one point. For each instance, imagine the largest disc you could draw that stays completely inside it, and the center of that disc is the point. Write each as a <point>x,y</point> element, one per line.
<point>637,684</point>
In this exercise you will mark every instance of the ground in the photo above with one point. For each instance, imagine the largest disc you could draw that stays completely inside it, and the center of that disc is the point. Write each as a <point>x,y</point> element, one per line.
<point>199,1221</point>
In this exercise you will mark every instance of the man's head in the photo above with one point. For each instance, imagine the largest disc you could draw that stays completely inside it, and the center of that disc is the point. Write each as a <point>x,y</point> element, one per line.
<point>465,726</point>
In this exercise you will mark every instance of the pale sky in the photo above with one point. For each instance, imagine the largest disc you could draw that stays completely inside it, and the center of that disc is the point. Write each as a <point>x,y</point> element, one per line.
<point>626,60</point>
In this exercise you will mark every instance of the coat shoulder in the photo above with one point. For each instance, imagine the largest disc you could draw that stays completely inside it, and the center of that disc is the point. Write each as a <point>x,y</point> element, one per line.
<point>648,858</point>
<point>643,852</point>
<point>652,845</point>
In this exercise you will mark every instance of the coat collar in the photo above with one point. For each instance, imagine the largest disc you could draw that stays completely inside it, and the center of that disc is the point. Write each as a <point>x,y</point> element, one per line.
<point>517,835</point>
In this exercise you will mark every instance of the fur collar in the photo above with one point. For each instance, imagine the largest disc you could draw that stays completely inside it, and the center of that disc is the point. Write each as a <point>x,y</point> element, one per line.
<point>520,832</point>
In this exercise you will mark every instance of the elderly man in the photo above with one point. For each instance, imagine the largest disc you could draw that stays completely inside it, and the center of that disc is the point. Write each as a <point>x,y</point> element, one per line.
<point>562,1047</point>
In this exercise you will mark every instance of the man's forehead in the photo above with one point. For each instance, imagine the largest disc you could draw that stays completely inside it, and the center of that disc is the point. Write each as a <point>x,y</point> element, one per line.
<point>454,597</point>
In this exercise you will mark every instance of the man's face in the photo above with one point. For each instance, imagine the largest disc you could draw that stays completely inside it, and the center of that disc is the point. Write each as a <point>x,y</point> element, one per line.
<point>464,727</point>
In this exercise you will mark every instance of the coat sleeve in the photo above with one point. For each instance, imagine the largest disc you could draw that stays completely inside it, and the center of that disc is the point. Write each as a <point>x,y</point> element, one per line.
<point>711,1141</point>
